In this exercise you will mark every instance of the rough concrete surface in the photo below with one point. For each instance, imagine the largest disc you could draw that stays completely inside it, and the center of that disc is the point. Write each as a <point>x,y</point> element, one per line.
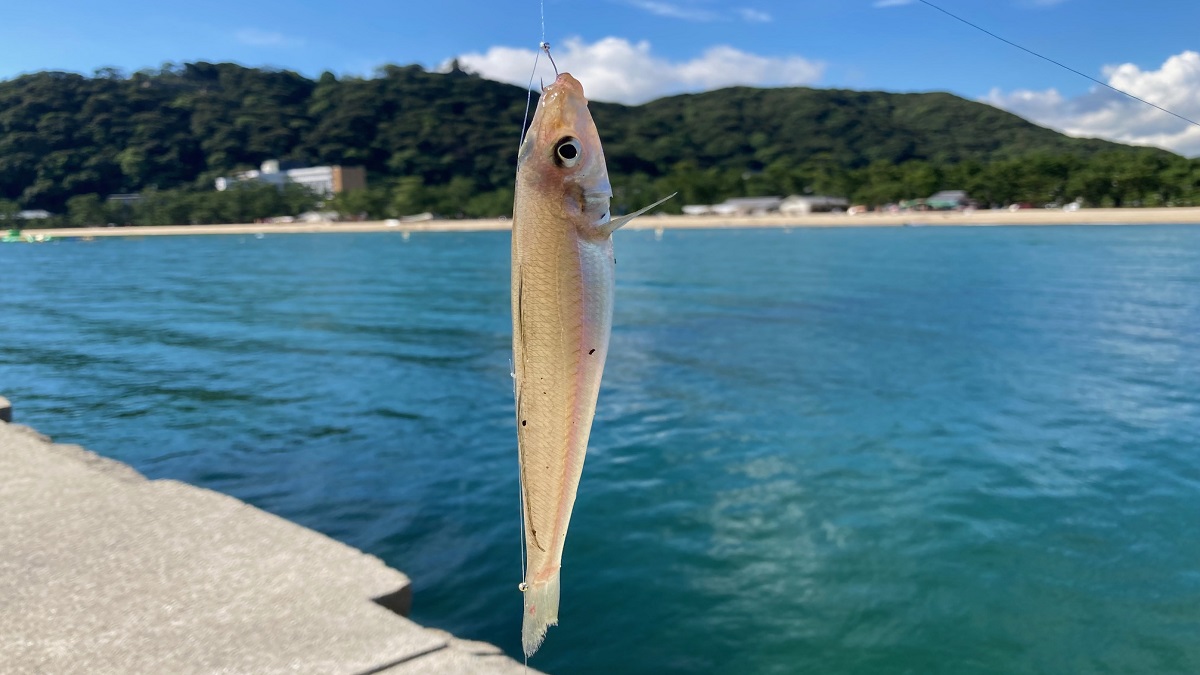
<point>103,571</point>
<point>466,657</point>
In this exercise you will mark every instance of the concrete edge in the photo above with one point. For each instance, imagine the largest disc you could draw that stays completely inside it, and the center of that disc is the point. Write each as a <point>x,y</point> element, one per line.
<point>453,654</point>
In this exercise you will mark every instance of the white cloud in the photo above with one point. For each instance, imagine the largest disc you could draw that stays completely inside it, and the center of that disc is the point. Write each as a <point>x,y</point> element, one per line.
<point>754,15</point>
<point>674,10</point>
<point>263,38</point>
<point>615,69</point>
<point>696,10</point>
<point>1103,113</point>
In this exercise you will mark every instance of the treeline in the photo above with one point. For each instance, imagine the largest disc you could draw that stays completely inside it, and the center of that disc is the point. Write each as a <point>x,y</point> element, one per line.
<point>182,126</point>
<point>446,143</point>
<point>1133,177</point>
<point>244,203</point>
<point>1106,180</point>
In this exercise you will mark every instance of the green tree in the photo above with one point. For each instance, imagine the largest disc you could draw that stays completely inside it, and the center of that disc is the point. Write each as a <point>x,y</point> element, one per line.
<point>446,142</point>
<point>8,214</point>
<point>368,204</point>
<point>408,196</point>
<point>85,210</point>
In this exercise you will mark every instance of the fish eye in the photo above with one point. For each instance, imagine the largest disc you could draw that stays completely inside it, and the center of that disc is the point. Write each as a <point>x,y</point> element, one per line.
<point>567,152</point>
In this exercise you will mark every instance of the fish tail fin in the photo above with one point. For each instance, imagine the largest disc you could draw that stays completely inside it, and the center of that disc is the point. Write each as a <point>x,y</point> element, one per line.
<point>541,612</point>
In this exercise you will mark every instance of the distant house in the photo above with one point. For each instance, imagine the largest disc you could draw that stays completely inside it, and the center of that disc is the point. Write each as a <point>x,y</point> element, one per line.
<point>748,206</point>
<point>805,204</point>
<point>322,180</point>
<point>317,216</point>
<point>28,214</point>
<point>948,200</point>
<point>760,206</point>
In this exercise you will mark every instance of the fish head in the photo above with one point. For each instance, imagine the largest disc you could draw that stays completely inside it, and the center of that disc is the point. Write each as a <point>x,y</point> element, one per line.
<point>562,155</point>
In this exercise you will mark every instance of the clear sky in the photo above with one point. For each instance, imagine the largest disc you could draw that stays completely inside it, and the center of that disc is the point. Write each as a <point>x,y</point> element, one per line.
<point>636,50</point>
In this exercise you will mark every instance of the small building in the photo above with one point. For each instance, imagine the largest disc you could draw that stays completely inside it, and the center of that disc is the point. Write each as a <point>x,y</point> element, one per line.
<point>33,214</point>
<point>697,210</point>
<point>948,200</point>
<point>322,180</point>
<point>748,206</point>
<point>805,204</point>
<point>318,216</point>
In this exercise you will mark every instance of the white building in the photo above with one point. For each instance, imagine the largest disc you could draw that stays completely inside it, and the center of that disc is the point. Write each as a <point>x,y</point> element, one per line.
<point>759,206</point>
<point>322,180</point>
<point>748,206</point>
<point>804,204</point>
<point>738,206</point>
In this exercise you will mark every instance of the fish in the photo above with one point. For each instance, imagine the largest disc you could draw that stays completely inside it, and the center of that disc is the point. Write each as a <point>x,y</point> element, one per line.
<point>563,273</point>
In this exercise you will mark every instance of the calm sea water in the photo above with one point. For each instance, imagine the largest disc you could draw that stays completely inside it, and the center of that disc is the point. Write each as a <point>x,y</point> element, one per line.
<point>881,450</point>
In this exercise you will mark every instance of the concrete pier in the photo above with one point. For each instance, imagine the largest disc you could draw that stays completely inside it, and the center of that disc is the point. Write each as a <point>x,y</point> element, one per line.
<point>104,571</point>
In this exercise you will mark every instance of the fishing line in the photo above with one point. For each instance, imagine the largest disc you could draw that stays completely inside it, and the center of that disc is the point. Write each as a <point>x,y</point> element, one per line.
<point>528,99</point>
<point>543,46</point>
<point>520,144</point>
<point>1060,65</point>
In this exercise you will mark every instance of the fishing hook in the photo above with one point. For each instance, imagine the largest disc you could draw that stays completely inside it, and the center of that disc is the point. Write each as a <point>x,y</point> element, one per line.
<point>546,48</point>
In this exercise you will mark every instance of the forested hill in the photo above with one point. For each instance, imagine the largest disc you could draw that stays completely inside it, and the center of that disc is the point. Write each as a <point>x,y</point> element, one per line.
<point>744,127</point>
<point>453,136</point>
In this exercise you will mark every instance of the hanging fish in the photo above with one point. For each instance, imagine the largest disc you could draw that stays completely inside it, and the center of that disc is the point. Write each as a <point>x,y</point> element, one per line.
<point>562,300</point>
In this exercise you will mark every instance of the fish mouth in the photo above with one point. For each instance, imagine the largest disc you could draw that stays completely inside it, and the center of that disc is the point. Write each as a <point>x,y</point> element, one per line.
<point>595,200</point>
<point>565,90</point>
<point>563,110</point>
<point>566,82</point>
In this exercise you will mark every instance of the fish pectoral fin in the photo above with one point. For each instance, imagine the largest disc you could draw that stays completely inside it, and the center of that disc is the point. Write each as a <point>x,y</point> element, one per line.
<point>616,223</point>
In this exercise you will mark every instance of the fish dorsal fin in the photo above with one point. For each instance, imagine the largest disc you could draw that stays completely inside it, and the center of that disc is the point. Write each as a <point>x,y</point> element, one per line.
<point>615,224</point>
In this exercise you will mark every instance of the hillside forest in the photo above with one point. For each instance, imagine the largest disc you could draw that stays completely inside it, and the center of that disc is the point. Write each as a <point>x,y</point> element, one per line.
<point>446,143</point>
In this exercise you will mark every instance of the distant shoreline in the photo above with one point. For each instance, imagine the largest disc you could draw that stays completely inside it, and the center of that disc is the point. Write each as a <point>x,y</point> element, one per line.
<point>1132,216</point>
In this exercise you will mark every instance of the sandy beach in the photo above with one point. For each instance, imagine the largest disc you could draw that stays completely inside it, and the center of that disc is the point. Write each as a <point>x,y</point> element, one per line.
<point>1032,217</point>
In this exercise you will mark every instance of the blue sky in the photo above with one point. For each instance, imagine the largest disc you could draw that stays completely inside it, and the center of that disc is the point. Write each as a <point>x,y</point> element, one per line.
<point>635,50</point>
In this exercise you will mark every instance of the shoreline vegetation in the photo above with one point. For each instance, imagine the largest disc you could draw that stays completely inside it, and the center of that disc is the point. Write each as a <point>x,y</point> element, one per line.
<point>1032,217</point>
<point>147,148</point>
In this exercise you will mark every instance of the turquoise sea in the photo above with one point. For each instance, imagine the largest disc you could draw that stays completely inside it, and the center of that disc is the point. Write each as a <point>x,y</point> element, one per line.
<point>893,450</point>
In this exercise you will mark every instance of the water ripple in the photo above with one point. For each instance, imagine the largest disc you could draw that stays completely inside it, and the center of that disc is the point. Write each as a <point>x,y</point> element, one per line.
<point>878,450</point>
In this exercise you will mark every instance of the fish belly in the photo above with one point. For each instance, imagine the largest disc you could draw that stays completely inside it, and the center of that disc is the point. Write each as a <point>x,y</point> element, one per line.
<point>562,317</point>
